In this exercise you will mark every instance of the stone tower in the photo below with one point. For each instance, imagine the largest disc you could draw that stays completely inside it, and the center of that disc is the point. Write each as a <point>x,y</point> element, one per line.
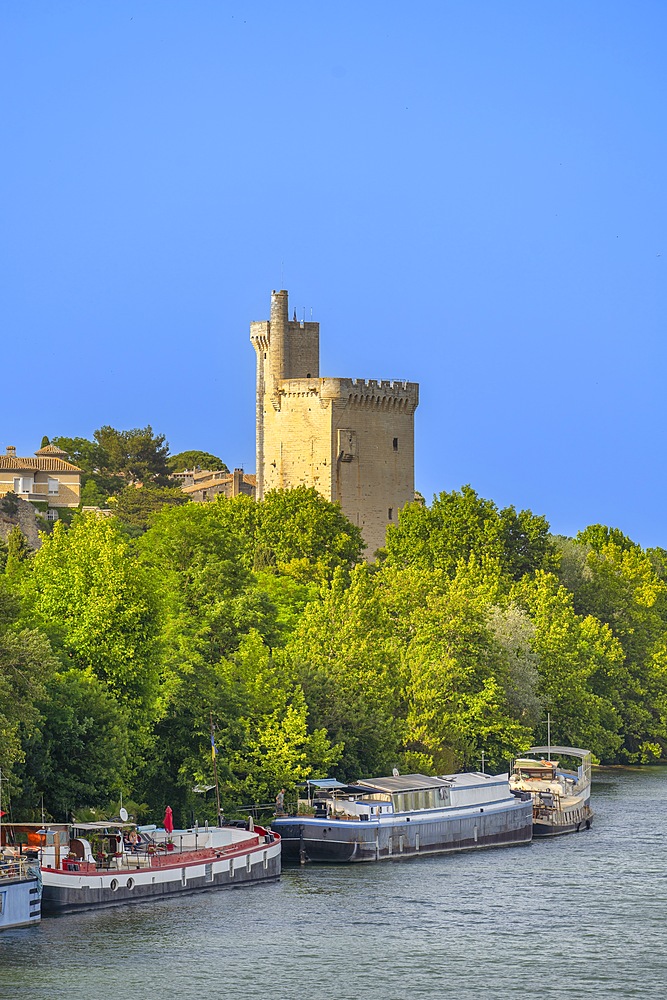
<point>352,439</point>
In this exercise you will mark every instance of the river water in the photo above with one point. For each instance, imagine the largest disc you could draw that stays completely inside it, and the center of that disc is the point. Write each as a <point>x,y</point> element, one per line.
<point>580,916</point>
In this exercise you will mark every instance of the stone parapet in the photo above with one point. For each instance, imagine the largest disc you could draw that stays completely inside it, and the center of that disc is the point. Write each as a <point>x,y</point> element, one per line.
<point>384,394</point>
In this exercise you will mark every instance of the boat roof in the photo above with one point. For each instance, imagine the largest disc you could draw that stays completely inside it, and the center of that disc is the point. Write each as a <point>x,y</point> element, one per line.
<point>332,785</point>
<point>571,751</point>
<point>468,778</point>
<point>324,783</point>
<point>403,783</point>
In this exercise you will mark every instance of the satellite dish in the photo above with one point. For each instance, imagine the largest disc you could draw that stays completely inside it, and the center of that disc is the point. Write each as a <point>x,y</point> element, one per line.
<point>123,814</point>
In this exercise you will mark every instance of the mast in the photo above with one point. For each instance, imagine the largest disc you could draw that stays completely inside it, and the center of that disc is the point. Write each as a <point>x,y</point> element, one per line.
<point>215,769</point>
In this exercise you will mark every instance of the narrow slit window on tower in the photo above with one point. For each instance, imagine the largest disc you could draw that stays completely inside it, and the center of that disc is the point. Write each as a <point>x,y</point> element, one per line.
<point>395,444</point>
<point>390,514</point>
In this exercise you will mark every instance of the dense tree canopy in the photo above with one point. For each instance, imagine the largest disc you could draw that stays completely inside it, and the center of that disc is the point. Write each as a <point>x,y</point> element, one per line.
<point>458,525</point>
<point>123,639</point>
<point>196,460</point>
<point>114,459</point>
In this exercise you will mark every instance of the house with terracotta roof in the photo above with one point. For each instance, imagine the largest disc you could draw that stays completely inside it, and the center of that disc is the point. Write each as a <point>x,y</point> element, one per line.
<point>47,480</point>
<point>206,485</point>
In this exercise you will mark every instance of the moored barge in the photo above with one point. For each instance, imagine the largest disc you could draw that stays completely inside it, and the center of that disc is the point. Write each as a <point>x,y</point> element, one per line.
<point>138,866</point>
<point>560,795</point>
<point>406,816</point>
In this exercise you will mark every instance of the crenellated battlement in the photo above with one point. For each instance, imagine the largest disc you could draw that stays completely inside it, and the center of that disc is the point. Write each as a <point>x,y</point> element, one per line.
<point>382,394</point>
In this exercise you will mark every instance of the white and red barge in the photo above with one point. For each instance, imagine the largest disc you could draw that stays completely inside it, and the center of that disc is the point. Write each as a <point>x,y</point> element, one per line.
<point>139,867</point>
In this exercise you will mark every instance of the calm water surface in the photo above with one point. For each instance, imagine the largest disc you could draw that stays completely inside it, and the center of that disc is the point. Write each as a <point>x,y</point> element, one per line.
<point>579,916</point>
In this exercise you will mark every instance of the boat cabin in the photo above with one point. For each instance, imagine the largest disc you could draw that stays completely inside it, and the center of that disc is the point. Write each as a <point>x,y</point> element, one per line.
<point>376,798</point>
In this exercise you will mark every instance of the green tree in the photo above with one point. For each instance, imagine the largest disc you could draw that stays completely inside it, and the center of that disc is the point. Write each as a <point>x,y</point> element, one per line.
<point>299,530</point>
<point>196,460</point>
<point>115,458</point>
<point>580,665</point>
<point>137,455</point>
<point>101,607</point>
<point>86,455</point>
<point>620,586</point>
<point>92,495</point>
<point>17,552</point>
<point>599,535</point>
<point>458,525</point>
<point>202,554</point>
<point>79,755</point>
<point>261,734</point>
<point>26,661</point>
<point>135,505</point>
<point>459,677</point>
<point>348,664</point>
<point>514,633</point>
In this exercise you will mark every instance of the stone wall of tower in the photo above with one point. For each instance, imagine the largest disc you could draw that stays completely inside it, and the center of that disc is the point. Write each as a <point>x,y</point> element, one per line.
<point>353,440</point>
<point>373,435</point>
<point>297,438</point>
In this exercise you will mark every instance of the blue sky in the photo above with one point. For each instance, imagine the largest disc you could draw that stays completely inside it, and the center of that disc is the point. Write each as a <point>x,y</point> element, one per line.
<point>468,195</point>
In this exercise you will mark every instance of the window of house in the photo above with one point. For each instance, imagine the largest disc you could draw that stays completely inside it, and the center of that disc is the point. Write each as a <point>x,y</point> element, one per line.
<point>23,484</point>
<point>53,485</point>
<point>51,514</point>
<point>395,444</point>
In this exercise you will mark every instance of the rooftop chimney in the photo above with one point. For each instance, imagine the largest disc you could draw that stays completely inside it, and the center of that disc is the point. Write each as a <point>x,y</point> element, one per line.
<point>11,450</point>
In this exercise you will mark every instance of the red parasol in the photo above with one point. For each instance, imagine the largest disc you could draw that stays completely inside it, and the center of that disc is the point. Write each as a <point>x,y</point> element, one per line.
<point>168,820</point>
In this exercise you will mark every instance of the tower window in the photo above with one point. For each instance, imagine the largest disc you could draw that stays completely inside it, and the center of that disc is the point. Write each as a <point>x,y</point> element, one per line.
<point>395,444</point>
<point>390,514</point>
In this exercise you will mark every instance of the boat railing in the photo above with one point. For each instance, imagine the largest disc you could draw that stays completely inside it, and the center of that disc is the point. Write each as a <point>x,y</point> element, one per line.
<point>159,854</point>
<point>15,868</point>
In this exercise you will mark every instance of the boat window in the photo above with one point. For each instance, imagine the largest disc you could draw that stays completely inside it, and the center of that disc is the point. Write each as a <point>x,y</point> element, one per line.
<point>209,872</point>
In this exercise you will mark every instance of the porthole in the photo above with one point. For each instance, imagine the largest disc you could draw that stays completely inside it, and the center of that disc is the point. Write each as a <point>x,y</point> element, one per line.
<point>113,884</point>
<point>130,883</point>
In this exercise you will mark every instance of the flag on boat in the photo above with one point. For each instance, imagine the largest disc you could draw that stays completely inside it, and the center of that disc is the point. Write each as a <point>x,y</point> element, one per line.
<point>168,820</point>
<point>213,749</point>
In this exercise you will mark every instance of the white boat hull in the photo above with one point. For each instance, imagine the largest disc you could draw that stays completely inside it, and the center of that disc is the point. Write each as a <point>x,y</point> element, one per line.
<point>79,888</point>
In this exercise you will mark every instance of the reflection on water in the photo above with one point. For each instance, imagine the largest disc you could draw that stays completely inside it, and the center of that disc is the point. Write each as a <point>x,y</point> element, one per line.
<point>577,916</point>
